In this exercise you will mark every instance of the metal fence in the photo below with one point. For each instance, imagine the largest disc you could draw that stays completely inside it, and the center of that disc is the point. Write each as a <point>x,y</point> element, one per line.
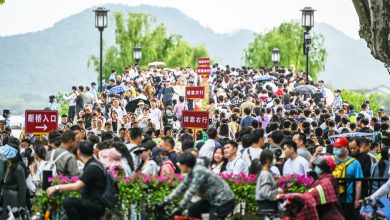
<point>372,183</point>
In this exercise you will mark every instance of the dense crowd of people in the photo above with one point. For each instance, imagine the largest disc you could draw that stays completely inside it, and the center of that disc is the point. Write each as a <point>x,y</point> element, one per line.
<point>268,121</point>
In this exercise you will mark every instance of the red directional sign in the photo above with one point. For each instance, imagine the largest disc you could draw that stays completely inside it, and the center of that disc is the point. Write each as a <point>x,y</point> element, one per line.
<point>204,61</point>
<point>195,92</point>
<point>195,119</point>
<point>40,121</point>
<point>203,70</point>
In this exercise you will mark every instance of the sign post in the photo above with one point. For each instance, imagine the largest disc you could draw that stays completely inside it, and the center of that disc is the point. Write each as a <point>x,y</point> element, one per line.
<point>195,92</point>
<point>204,71</point>
<point>40,121</point>
<point>195,119</point>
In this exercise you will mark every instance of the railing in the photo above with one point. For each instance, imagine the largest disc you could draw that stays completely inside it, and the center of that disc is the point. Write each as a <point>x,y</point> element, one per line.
<point>373,183</point>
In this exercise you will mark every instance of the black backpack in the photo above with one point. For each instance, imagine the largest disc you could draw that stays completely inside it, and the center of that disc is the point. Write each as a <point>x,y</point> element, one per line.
<point>110,196</point>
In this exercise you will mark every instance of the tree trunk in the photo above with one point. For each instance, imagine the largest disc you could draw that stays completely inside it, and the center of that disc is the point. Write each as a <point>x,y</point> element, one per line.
<point>374,19</point>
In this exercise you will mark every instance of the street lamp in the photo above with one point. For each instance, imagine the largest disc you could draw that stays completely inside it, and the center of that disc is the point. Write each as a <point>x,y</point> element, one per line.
<point>307,24</point>
<point>275,56</point>
<point>100,24</point>
<point>137,54</point>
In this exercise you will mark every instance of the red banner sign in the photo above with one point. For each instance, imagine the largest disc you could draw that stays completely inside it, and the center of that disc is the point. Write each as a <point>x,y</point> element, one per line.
<point>195,119</point>
<point>195,92</point>
<point>40,121</point>
<point>205,61</point>
<point>203,71</point>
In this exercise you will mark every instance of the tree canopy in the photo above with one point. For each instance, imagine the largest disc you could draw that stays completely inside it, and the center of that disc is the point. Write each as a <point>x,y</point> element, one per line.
<point>288,38</point>
<point>140,29</point>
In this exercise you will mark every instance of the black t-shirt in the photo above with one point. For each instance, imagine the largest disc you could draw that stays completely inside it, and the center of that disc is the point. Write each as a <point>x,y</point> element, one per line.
<point>94,180</point>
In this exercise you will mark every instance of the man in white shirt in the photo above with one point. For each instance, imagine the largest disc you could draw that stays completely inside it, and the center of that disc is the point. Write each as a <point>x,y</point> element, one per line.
<point>72,104</point>
<point>120,110</point>
<point>300,140</point>
<point>254,151</point>
<point>155,115</point>
<point>209,146</point>
<point>113,75</point>
<point>295,163</point>
<point>135,140</point>
<point>236,164</point>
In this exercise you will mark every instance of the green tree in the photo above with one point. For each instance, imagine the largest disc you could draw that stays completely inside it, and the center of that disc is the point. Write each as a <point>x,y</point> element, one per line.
<point>357,99</point>
<point>62,104</point>
<point>139,29</point>
<point>288,37</point>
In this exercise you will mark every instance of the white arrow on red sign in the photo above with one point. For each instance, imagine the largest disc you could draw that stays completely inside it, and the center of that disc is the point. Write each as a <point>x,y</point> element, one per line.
<point>44,127</point>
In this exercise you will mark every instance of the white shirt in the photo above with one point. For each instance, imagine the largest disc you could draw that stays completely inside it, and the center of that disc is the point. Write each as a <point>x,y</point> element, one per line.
<point>155,115</point>
<point>135,158</point>
<point>254,154</point>
<point>121,112</point>
<point>297,166</point>
<point>207,149</point>
<point>71,98</point>
<point>236,166</point>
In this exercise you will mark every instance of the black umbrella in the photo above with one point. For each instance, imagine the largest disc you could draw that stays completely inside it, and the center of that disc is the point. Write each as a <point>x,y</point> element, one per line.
<point>132,105</point>
<point>305,89</point>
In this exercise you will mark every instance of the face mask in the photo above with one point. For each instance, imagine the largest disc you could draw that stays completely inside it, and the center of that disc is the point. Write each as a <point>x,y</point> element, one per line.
<point>317,170</point>
<point>169,113</point>
<point>273,162</point>
<point>337,151</point>
<point>336,94</point>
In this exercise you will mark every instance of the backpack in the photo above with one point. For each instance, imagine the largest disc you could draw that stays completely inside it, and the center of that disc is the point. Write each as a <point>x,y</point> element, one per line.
<point>110,196</point>
<point>51,164</point>
<point>340,172</point>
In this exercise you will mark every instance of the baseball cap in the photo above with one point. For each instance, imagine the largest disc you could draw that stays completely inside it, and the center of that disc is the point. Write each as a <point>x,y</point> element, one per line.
<point>341,142</point>
<point>380,110</point>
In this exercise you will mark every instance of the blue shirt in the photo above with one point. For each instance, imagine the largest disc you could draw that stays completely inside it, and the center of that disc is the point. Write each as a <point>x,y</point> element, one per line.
<point>247,121</point>
<point>353,170</point>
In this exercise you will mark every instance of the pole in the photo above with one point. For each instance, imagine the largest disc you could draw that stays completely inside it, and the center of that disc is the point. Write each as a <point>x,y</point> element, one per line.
<point>307,63</point>
<point>101,60</point>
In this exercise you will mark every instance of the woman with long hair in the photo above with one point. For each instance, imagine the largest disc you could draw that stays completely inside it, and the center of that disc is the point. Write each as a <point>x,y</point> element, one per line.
<point>218,165</point>
<point>147,165</point>
<point>126,160</point>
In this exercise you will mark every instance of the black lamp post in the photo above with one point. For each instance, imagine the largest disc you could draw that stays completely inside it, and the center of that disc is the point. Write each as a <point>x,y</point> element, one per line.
<point>275,56</point>
<point>100,24</point>
<point>307,24</point>
<point>137,54</point>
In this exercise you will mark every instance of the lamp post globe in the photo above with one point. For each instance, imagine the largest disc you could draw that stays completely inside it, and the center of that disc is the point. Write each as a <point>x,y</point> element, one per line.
<point>137,54</point>
<point>307,21</point>
<point>101,22</point>
<point>275,56</point>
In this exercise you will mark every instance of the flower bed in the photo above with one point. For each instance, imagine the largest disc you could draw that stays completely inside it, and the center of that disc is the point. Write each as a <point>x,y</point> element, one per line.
<point>244,189</point>
<point>147,191</point>
<point>46,205</point>
<point>295,183</point>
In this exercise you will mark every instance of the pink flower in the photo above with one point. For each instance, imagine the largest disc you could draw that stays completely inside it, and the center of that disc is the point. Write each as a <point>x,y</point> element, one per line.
<point>74,179</point>
<point>162,178</point>
<point>51,179</point>
<point>179,176</point>
<point>126,179</point>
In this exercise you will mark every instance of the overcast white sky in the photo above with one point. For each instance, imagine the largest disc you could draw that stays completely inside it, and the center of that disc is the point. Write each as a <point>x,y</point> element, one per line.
<point>21,16</point>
